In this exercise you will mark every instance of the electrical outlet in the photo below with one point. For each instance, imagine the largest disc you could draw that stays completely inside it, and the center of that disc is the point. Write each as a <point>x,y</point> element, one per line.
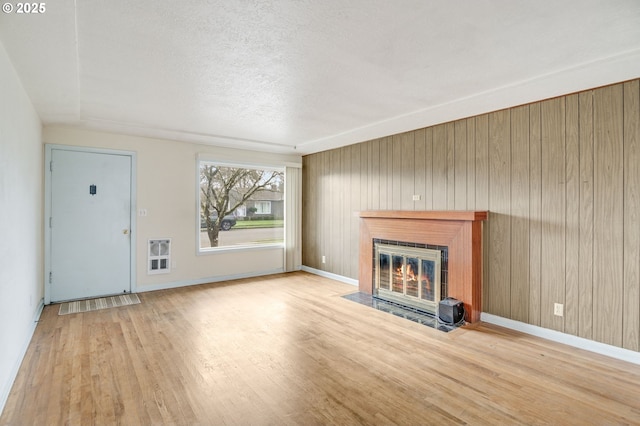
<point>416,197</point>
<point>324,259</point>
<point>558,309</point>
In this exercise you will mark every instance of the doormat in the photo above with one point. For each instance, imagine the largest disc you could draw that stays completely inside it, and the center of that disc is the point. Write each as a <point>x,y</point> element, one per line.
<point>96,304</point>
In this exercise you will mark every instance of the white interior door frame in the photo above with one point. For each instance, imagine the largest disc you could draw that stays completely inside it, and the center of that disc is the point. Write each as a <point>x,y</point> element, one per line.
<point>47,210</point>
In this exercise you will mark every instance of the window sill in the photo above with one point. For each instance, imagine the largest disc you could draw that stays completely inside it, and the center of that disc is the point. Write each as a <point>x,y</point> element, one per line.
<point>231,249</point>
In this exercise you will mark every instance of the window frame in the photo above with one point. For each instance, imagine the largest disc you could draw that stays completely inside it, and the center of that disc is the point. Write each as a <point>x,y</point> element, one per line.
<point>235,248</point>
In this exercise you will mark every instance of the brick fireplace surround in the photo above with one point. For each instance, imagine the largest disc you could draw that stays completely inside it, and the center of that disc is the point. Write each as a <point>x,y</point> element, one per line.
<point>460,231</point>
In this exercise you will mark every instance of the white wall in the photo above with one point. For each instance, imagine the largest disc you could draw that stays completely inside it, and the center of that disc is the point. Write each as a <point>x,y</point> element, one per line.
<point>166,188</point>
<point>21,237</point>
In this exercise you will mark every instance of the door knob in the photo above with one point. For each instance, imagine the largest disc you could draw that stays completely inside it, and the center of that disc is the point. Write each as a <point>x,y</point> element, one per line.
<point>125,231</point>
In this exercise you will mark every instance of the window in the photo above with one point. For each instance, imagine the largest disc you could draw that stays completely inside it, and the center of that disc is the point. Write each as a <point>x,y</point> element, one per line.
<point>239,206</point>
<point>263,207</point>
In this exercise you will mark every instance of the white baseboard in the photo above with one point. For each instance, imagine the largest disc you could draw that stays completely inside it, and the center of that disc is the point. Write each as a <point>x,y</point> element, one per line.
<point>186,283</point>
<point>567,339</point>
<point>4,395</point>
<point>330,275</point>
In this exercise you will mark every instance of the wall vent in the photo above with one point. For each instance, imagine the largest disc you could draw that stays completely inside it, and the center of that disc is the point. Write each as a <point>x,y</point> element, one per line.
<point>159,256</point>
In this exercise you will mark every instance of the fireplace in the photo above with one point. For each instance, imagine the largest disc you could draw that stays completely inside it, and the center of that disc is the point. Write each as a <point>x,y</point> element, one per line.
<point>459,231</point>
<point>409,274</point>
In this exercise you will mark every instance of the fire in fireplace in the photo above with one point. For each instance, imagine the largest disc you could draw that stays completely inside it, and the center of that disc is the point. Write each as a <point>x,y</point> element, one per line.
<point>410,276</point>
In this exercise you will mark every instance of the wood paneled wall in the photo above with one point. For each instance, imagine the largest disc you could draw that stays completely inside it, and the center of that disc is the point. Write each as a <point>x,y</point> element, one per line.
<point>561,179</point>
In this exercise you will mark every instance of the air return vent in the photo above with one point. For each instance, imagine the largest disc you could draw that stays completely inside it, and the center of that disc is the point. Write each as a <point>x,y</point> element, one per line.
<point>159,256</point>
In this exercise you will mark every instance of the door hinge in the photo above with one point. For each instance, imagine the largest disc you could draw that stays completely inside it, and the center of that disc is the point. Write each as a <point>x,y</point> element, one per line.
<point>51,166</point>
<point>50,222</point>
<point>50,277</point>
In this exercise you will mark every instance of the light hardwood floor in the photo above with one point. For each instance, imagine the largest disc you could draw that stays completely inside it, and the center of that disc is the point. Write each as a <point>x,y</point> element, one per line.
<point>287,349</point>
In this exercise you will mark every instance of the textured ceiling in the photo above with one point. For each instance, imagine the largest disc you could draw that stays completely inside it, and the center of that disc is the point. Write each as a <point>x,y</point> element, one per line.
<point>304,76</point>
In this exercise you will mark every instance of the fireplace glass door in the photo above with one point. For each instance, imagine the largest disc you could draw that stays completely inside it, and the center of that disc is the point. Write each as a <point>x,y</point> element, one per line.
<point>408,276</point>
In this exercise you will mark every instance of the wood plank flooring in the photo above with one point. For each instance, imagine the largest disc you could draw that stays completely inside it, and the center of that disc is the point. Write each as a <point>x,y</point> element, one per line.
<point>288,350</point>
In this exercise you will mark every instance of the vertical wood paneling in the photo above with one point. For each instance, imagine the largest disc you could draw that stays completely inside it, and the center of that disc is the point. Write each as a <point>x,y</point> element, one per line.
<point>365,177</point>
<point>314,218</point>
<point>585,272</point>
<point>500,206</point>
<point>357,189</point>
<point>389,173</point>
<point>325,210</point>
<point>439,167</point>
<point>451,165</point>
<point>397,174</point>
<point>471,163</point>
<point>314,229</point>
<point>482,162</point>
<point>309,219</point>
<point>306,242</point>
<point>420,168</point>
<point>572,250</point>
<point>334,252</point>
<point>460,167</point>
<point>482,201</point>
<point>383,173</point>
<point>562,183</point>
<point>535,213</point>
<point>631,306</point>
<point>520,214</point>
<point>347,185</point>
<point>608,215</point>
<point>374,174</point>
<point>325,207</point>
<point>407,149</point>
<point>428,164</point>
<point>553,212</point>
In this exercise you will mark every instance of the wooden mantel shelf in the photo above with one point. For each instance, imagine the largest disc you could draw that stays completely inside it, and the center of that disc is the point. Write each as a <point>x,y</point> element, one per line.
<point>426,215</point>
<point>460,231</point>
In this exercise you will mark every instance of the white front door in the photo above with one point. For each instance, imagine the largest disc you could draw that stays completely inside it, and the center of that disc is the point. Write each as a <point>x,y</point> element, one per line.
<point>90,224</point>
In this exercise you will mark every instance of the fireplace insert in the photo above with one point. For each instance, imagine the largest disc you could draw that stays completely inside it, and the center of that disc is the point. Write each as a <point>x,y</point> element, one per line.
<point>409,276</point>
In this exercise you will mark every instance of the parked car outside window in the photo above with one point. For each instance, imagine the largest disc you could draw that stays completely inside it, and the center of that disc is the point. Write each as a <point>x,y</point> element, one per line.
<point>228,222</point>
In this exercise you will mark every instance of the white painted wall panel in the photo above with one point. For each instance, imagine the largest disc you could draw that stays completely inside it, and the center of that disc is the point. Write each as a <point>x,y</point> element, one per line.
<point>21,190</point>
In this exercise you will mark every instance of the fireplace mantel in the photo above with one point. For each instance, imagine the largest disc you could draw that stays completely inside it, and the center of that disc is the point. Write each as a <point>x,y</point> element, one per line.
<point>426,215</point>
<point>460,231</point>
